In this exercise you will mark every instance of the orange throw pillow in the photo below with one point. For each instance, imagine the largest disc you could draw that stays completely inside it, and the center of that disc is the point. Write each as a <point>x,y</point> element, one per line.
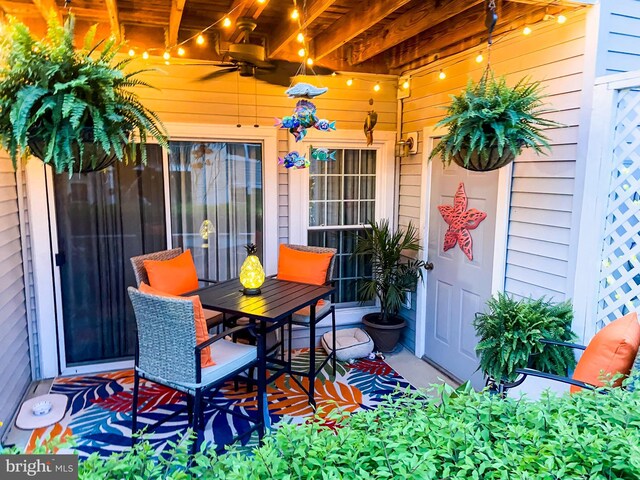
<point>202,334</point>
<point>303,267</point>
<point>175,276</point>
<point>612,350</point>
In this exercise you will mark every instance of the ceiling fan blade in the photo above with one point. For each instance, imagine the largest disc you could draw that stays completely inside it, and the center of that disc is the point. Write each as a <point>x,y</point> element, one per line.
<point>241,57</point>
<point>218,73</point>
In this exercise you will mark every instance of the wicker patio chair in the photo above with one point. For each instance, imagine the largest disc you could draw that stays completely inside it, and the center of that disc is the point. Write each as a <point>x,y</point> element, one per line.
<point>214,319</point>
<point>167,354</point>
<point>303,317</point>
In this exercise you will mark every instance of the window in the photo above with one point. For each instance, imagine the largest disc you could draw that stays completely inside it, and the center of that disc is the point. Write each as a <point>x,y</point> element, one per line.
<point>342,200</point>
<point>216,203</point>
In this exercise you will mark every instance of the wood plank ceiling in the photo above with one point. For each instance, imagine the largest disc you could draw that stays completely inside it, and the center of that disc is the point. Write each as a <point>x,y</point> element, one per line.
<point>378,36</point>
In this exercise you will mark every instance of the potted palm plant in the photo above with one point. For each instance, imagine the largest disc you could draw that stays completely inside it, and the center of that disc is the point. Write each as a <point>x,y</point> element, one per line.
<point>71,108</point>
<point>393,275</point>
<point>510,332</point>
<point>489,123</point>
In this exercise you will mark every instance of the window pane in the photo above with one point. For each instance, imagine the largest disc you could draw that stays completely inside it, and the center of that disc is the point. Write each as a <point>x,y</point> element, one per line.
<point>351,159</point>
<point>368,161</point>
<point>368,187</point>
<point>334,190</point>
<point>216,203</point>
<point>334,167</point>
<point>333,213</point>
<point>367,212</point>
<point>350,213</point>
<point>316,214</point>
<point>317,188</point>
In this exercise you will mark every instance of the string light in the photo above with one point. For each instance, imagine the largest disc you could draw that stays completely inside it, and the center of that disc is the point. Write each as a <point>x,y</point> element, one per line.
<point>527,30</point>
<point>442,75</point>
<point>200,39</point>
<point>561,19</point>
<point>302,52</point>
<point>261,1</point>
<point>145,55</point>
<point>406,85</point>
<point>479,58</point>
<point>376,87</point>
<point>132,52</point>
<point>295,14</point>
<point>167,62</point>
<point>181,51</point>
<point>166,55</point>
<point>300,38</point>
<point>349,82</point>
<point>226,23</point>
<point>310,61</point>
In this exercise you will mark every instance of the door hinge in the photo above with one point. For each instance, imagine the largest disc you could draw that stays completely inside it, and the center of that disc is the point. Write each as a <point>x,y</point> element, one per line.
<point>60,259</point>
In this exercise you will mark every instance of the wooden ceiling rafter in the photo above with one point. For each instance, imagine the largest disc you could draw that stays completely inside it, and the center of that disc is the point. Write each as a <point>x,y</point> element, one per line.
<point>48,7</point>
<point>420,18</point>
<point>363,16</point>
<point>114,19</point>
<point>243,8</point>
<point>175,18</point>
<point>287,35</point>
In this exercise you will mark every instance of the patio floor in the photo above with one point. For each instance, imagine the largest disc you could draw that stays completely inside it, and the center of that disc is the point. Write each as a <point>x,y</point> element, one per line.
<point>98,415</point>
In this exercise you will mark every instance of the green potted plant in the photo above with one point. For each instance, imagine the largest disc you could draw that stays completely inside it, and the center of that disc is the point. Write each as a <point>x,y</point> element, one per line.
<point>510,332</point>
<point>489,123</point>
<point>71,108</point>
<point>393,275</point>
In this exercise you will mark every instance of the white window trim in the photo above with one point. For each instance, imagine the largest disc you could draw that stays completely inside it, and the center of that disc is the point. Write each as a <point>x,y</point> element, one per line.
<point>42,250</point>
<point>384,143</point>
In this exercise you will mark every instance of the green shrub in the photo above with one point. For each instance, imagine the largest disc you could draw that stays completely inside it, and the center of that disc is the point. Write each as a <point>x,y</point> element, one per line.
<point>510,333</point>
<point>455,435</point>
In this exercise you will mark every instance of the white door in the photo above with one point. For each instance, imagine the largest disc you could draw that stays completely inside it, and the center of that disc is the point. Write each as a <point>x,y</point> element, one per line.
<point>458,286</point>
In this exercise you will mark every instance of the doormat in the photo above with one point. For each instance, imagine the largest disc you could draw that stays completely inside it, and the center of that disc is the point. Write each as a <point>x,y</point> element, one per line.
<point>98,416</point>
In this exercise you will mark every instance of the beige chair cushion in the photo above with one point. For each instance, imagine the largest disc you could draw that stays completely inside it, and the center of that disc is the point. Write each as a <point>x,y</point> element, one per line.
<point>304,315</point>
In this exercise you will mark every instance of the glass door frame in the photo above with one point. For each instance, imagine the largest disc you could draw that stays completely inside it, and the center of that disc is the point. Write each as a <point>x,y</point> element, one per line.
<point>44,241</point>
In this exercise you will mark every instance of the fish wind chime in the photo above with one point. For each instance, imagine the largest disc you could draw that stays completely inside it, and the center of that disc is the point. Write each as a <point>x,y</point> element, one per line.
<point>304,117</point>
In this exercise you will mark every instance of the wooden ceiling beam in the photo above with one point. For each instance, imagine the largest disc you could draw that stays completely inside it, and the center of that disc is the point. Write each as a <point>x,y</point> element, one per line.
<point>441,41</point>
<point>243,8</point>
<point>556,3</point>
<point>363,16</point>
<point>287,34</point>
<point>47,8</point>
<point>175,17</point>
<point>19,10</point>
<point>114,19</point>
<point>426,15</point>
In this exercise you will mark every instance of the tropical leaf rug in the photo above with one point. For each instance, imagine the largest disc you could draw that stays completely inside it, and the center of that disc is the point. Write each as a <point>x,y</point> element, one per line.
<point>98,417</point>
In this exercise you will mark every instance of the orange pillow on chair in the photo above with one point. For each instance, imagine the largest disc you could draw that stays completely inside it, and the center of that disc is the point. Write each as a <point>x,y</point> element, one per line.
<point>202,334</point>
<point>176,276</point>
<point>612,350</point>
<point>303,267</point>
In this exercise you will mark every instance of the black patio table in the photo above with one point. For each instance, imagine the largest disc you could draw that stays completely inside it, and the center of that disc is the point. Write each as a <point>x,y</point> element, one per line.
<point>270,310</point>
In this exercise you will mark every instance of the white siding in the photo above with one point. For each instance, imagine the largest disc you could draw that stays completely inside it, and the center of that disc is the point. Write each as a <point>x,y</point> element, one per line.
<point>15,374</point>
<point>620,41</point>
<point>542,187</point>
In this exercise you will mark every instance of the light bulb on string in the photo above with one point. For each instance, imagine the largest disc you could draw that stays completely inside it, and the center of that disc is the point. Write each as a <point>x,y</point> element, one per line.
<point>226,23</point>
<point>376,87</point>
<point>132,52</point>
<point>310,61</point>
<point>527,30</point>
<point>295,14</point>
<point>302,52</point>
<point>300,37</point>
<point>181,51</point>
<point>442,75</point>
<point>349,82</point>
<point>166,55</point>
<point>200,39</point>
<point>479,58</point>
<point>561,19</point>
<point>406,85</point>
<point>261,1</point>
<point>145,55</point>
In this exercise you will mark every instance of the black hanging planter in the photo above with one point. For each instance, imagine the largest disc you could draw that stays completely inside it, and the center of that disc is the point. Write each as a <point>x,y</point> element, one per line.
<point>477,164</point>
<point>93,158</point>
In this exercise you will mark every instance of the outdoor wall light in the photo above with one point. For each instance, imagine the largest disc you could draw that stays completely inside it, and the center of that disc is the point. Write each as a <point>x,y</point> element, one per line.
<point>251,273</point>
<point>407,146</point>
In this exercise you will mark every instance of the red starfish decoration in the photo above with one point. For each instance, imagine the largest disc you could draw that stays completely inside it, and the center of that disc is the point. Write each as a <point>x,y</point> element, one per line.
<point>460,221</point>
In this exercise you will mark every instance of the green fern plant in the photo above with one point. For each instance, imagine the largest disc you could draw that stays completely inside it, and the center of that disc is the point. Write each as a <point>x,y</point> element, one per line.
<point>490,116</point>
<point>510,333</point>
<point>69,101</point>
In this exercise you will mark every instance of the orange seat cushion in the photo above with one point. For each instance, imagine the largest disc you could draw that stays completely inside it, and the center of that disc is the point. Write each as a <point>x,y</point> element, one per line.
<point>176,276</point>
<point>303,267</point>
<point>611,351</point>
<point>202,334</point>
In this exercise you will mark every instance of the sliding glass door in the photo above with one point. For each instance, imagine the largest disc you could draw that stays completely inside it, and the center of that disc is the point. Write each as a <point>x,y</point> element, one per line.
<point>104,218</point>
<point>216,193</point>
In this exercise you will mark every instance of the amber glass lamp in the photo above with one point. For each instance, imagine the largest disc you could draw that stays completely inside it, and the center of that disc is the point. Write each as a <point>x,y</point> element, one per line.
<point>251,272</point>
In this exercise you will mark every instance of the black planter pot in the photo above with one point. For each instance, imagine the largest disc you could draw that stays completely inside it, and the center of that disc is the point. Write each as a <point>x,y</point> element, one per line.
<point>93,158</point>
<point>384,335</point>
<point>477,164</point>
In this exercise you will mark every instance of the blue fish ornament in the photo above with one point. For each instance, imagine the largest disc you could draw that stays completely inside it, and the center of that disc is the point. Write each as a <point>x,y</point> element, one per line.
<point>325,125</point>
<point>288,122</point>
<point>294,160</point>
<point>323,154</point>
<point>305,90</point>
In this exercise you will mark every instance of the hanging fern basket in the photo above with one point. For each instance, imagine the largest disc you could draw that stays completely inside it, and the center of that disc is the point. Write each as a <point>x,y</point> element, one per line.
<point>476,163</point>
<point>93,158</point>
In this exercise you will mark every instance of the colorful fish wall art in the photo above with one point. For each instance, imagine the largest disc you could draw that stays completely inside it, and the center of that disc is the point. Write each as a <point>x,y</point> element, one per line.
<point>323,154</point>
<point>294,160</point>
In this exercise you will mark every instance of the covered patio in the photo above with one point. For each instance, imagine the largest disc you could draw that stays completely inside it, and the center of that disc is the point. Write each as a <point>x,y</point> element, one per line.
<point>292,128</point>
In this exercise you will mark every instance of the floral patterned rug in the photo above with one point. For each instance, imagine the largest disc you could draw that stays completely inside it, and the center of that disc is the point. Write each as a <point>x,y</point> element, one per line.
<point>98,417</point>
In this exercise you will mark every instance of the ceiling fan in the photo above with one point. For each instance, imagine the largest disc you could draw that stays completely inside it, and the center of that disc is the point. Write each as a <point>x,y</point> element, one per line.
<point>249,60</point>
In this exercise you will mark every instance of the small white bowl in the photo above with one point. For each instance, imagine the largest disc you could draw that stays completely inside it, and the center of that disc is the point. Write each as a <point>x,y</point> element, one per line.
<point>41,408</point>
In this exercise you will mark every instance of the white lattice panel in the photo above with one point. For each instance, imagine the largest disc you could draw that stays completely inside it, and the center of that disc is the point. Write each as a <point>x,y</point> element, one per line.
<point>619,291</point>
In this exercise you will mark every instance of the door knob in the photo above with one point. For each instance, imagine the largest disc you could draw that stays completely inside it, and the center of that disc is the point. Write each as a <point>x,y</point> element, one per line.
<point>429,266</point>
